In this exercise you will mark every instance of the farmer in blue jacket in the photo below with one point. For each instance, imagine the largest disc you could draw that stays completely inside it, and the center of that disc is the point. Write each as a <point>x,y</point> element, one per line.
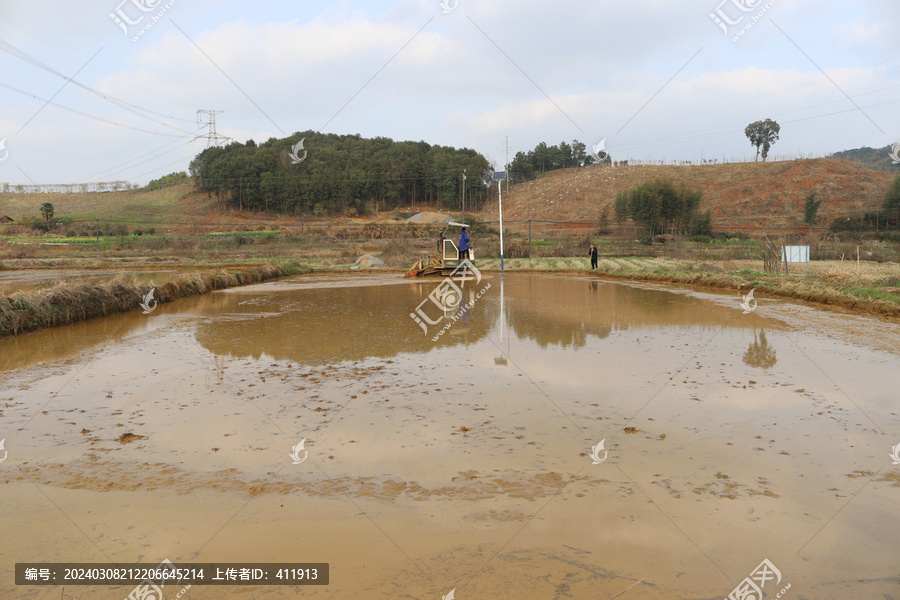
<point>463,244</point>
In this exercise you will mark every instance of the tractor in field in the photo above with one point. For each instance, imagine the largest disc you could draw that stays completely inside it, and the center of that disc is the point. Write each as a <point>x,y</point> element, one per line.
<point>445,261</point>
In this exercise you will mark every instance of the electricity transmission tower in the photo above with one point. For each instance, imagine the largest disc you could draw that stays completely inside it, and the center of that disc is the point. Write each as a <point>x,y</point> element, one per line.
<point>212,138</point>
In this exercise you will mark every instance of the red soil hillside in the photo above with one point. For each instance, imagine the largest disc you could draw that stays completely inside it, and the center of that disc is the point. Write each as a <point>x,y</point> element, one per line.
<point>750,197</point>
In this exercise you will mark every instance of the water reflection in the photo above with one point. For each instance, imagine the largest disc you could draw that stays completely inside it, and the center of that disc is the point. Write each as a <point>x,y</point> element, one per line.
<point>59,343</point>
<point>569,311</point>
<point>759,354</point>
<point>322,324</point>
<point>504,324</point>
<point>317,321</point>
<point>217,379</point>
<point>322,319</point>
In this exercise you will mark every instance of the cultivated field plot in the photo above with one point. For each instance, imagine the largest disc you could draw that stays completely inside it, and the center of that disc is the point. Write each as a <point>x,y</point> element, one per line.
<point>560,437</point>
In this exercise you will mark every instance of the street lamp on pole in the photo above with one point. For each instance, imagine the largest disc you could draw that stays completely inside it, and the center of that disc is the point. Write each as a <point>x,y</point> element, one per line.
<point>500,176</point>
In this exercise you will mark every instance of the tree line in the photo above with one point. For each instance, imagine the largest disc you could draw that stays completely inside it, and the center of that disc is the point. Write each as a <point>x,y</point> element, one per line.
<point>332,175</point>
<point>878,159</point>
<point>526,166</point>
<point>890,208</point>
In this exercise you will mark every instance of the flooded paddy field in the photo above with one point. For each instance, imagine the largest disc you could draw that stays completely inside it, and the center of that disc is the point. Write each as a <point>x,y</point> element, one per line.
<point>562,437</point>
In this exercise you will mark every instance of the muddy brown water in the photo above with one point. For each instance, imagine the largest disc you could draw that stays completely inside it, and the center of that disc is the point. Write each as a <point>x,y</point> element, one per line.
<point>460,461</point>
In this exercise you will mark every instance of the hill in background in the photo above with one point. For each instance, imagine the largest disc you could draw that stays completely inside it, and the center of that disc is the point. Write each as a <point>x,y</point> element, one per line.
<point>176,208</point>
<point>748,197</point>
<point>742,197</point>
<point>874,158</point>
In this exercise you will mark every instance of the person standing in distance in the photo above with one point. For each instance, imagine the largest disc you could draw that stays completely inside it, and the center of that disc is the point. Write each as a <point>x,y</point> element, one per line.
<point>463,244</point>
<point>593,257</point>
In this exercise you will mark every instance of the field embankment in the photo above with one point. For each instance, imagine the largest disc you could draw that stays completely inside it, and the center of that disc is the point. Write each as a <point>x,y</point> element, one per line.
<point>68,303</point>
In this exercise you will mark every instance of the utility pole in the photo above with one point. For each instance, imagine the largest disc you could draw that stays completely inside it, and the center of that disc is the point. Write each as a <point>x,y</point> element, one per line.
<point>464,197</point>
<point>212,138</point>
<point>507,164</point>
<point>500,197</point>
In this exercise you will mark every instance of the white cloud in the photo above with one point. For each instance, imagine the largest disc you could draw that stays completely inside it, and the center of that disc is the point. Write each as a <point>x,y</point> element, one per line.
<point>468,78</point>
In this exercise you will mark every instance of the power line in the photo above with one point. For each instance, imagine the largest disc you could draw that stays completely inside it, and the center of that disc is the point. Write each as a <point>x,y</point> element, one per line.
<point>57,93</point>
<point>174,162</point>
<point>122,166</point>
<point>717,131</point>
<point>82,113</point>
<point>134,108</point>
<point>143,91</point>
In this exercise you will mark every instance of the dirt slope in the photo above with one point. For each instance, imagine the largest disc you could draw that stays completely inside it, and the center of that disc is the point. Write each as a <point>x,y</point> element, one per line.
<point>745,196</point>
<point>742,197</point>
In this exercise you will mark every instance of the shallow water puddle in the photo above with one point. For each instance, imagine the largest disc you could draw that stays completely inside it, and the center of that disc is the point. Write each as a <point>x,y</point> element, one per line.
<point>464,462</point>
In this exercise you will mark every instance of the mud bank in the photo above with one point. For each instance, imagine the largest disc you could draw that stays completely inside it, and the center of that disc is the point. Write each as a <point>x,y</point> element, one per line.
<point>67,303</point>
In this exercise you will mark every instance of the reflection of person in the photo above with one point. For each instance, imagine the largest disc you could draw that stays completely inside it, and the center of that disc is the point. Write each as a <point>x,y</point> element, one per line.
<point>593,257</point>
<point>463,244</point>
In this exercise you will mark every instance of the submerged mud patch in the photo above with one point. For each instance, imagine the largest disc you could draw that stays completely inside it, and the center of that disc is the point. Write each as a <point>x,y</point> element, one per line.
<point>95,474</point>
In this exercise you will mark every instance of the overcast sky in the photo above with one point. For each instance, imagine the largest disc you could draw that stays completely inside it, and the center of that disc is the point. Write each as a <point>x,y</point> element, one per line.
<point>657,79</point>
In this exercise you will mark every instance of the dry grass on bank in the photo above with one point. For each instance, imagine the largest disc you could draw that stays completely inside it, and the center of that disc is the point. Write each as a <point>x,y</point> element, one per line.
<point>71,302</point>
